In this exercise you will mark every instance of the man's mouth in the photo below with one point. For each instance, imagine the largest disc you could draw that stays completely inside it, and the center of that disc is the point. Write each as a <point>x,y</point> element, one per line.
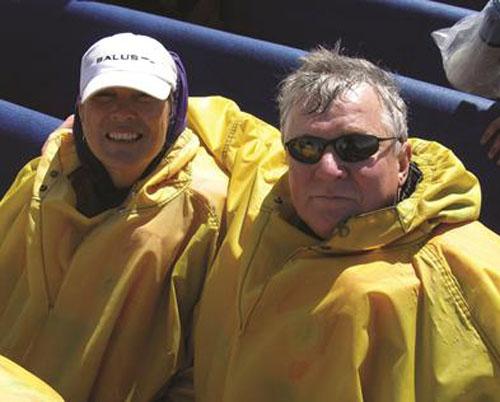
<point>332,197</point>
<point>123,136</point>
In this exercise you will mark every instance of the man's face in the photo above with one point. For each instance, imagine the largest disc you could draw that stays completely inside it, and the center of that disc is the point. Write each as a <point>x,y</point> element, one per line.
<point>125,129</point>
<point>331,190</point>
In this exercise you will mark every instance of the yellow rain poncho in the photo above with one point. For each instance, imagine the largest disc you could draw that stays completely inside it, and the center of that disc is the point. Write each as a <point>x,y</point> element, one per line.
<point>399,305</point>
<point>18,385</point>
<point>100,308</point>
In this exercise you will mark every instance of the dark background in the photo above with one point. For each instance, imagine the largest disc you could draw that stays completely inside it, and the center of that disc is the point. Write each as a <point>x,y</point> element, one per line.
<point>227,15</point>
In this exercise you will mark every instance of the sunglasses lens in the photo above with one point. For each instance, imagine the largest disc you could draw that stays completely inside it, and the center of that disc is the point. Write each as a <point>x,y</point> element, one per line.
<point>306,149</point>
<point>356,147</point>
<point>350,147</point>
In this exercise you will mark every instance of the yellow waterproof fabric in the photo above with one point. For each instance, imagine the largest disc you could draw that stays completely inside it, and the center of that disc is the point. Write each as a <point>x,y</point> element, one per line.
<point>100,308</point>
<point>400,305</point>
<point>19,385</point>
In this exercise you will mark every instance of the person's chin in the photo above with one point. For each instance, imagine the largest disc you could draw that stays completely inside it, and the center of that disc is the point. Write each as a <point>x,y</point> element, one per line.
<point>323,225</point>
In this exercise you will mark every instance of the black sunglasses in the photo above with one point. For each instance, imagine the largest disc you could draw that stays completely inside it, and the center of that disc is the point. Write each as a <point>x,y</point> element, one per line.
<point>349,147</point>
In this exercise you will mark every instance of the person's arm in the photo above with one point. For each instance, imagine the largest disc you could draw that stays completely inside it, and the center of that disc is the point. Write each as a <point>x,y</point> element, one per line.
<point>230,134</point>
<point>492,136</point>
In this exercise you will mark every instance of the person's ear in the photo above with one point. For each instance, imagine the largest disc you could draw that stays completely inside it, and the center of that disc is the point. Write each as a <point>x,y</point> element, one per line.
<point>404,159</point>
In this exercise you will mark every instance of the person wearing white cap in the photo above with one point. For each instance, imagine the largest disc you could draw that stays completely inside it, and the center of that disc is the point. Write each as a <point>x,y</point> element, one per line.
<point>106,238</point>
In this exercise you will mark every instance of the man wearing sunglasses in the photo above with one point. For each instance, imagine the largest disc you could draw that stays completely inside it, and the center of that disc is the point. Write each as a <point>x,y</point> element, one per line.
<point>354,267</point>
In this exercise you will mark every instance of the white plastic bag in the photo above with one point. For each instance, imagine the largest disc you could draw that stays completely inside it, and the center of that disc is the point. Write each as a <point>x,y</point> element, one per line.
<point>470,50</point>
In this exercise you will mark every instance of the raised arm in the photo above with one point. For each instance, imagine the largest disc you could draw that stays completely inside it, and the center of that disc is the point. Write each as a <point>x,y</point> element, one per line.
<point>228,132</point>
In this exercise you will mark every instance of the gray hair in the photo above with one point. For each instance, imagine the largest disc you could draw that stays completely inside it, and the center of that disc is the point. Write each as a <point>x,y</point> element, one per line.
<point>326,74</point>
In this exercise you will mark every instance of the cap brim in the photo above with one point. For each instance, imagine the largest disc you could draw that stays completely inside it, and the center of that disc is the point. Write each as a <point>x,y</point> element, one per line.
<point>146,83</point>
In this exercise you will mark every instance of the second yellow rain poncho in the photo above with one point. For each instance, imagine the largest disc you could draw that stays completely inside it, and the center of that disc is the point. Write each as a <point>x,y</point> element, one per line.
<point>399,305</point>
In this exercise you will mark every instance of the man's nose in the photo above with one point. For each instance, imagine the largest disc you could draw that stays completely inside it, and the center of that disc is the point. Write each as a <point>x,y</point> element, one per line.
<point>330,166</point>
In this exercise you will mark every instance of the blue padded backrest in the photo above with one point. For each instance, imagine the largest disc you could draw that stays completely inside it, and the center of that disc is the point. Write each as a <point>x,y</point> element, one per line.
<point>240,68</point>
<point>393,33</point>
<point>44,73</point>
<point>22,133</point>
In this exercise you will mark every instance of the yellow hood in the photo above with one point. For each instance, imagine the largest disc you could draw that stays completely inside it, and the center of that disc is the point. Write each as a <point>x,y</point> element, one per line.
<point>448,193</point>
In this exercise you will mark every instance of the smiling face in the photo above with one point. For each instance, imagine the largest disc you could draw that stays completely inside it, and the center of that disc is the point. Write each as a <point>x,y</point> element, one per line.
<point>331,190</point>
<point>125,129</point>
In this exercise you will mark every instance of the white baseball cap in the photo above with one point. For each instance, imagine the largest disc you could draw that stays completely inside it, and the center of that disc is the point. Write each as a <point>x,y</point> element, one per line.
<point>131,61</point>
